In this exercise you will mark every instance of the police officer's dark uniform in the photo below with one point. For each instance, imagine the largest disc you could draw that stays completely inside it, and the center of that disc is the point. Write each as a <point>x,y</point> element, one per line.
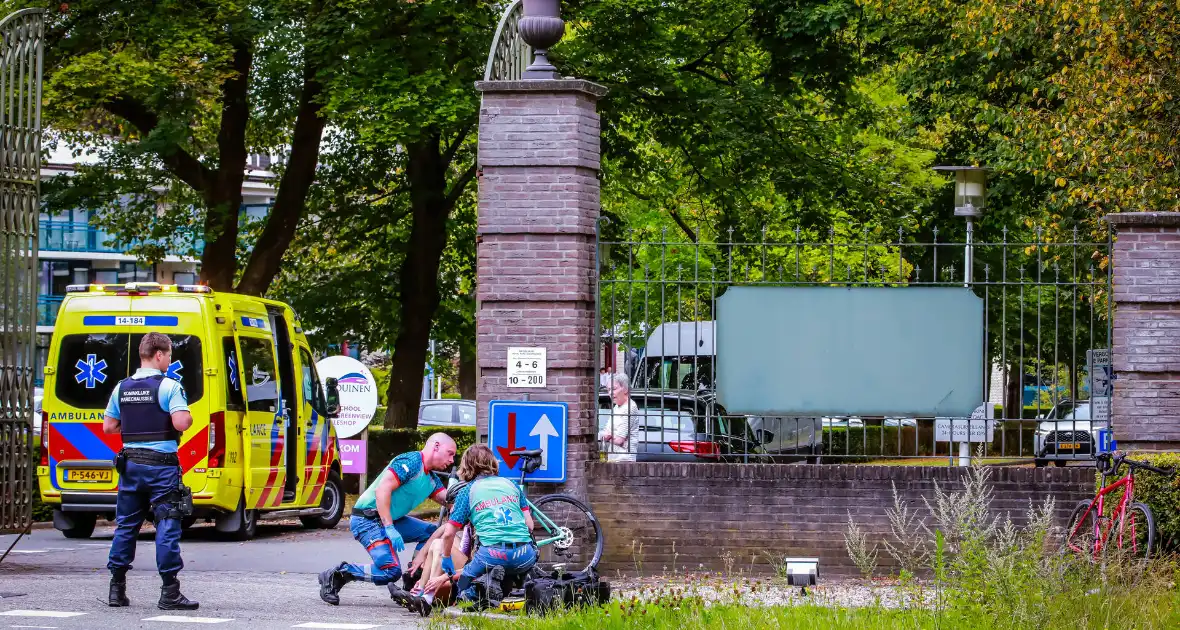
<point>150,478</point>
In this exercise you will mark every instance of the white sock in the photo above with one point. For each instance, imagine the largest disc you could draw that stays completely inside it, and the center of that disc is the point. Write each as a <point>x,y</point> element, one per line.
<point>429,597</point>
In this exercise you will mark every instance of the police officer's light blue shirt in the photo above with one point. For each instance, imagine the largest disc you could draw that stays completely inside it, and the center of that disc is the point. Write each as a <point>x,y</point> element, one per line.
<point>172,399</point>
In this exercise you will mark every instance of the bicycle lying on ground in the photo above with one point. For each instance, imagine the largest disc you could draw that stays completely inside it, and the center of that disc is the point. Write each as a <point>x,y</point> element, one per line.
<point>1130,526</point>
<point>568,536</point>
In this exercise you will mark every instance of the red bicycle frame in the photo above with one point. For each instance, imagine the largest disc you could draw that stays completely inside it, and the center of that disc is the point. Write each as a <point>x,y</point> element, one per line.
<point>1119,516</point>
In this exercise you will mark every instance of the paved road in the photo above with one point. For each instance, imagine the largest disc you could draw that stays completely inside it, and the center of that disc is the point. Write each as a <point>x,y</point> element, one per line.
<point>53,582</point>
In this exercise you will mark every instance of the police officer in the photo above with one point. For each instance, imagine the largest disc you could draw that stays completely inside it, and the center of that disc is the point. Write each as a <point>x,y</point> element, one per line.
<point>150,411</point>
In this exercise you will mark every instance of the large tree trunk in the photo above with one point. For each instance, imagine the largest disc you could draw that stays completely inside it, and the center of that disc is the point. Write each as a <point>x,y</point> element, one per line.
<point>224,197</point>
<point>430,207</point>
<point>291,198</point>
<point>468,381</point>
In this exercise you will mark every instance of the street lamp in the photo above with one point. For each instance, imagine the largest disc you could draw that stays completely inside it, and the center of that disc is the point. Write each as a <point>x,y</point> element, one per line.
<point>970,201</point>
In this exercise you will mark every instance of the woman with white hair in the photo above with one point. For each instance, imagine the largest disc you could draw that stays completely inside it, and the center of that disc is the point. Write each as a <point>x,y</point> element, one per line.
<point>621,436</point>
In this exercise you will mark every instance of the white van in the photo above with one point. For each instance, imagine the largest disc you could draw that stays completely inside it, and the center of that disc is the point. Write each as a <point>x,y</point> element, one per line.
<point>682,356</point>
<point>678,356</point>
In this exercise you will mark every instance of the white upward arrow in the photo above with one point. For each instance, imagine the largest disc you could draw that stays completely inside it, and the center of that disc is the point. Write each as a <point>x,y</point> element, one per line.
<point>545,430</point>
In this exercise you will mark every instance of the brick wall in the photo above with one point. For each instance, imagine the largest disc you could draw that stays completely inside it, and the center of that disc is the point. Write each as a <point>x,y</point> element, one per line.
<point>752,511</point>
<point>1146,346</point>
<point>538,212</point>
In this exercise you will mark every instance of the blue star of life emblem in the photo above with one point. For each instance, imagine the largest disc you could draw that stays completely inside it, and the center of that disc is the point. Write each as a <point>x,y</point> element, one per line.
<point>233,370</point>
<point>503,515</point>
<point>90,371</point>
<point>174,369</point>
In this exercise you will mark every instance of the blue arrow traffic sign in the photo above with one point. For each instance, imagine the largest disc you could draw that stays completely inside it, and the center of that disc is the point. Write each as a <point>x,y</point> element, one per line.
<point>517,425</point>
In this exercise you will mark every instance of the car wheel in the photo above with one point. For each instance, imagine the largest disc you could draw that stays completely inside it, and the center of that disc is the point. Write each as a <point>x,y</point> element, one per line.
<point>1060,463</point>
<point>83,526</point>
<point>1040,463</point>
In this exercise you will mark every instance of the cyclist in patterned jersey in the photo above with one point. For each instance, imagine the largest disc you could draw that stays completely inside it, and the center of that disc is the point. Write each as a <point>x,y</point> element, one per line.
<point>499,513</point>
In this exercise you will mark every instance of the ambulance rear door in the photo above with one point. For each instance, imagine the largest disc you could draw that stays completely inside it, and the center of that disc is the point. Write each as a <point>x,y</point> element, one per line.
<point>264,432</point>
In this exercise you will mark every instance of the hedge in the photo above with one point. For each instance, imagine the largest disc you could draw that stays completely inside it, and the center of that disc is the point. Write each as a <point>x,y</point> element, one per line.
<point>42,512</point>
<point>875,441</point>
<point>384,445</point>
<point>1161,494</point>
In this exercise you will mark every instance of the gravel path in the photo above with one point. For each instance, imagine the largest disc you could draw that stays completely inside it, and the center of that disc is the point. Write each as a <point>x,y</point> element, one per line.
<point>844,593</point>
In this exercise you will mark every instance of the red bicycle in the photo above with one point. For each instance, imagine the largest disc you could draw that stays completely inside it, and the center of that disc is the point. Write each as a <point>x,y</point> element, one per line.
<point>1130,527</point>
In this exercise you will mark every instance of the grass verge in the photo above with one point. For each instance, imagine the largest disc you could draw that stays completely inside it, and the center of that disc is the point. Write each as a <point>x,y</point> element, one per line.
<point>1100,610</point>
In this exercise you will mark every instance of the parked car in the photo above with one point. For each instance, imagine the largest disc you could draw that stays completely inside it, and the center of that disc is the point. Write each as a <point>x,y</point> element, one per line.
<point>785,440</point>
<point>832,423</point>
<point>1066,434</point>
<point>686,427</point>
<point>38,393</point>
<point>446,413</point>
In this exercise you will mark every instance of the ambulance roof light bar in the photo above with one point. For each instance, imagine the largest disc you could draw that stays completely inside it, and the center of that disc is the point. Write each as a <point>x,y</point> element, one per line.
<point>138,288</point>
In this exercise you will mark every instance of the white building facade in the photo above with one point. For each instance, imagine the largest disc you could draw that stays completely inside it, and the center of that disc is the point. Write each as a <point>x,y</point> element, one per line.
<point>72,250</point>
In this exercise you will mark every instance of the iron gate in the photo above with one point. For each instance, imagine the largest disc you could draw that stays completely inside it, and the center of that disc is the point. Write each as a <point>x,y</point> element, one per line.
<point>20,189</point>
<point>1044,294</point>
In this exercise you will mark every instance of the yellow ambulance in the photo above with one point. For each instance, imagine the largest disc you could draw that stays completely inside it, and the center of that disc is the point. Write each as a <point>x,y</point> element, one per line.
<point>262,445</point>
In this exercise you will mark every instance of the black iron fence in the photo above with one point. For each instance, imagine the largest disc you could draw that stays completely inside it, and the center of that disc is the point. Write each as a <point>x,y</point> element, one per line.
<point>1046,331</point>
<point>21,46</point>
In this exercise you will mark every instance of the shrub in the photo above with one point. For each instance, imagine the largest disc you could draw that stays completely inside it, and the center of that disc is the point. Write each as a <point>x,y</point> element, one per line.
<point>860,444</point>
<point>986,566</point>
<point>384,445</point>
<point>41,511</point>
<point>1162,495</point>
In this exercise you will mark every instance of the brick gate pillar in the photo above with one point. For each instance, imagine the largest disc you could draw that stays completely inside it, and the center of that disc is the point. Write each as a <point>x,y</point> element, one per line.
<point>535,270</point>
<point>1145,409</point>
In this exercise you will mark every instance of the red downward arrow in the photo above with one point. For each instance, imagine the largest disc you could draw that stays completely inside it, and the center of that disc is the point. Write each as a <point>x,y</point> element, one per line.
<point>506,451</point>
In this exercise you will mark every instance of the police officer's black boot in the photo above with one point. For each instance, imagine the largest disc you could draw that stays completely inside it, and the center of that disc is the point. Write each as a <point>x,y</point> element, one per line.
<point>171,598</point>
<point>117,597</point>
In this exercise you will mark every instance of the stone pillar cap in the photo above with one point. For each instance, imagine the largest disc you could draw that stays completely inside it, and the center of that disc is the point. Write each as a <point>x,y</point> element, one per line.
<point>543,85</point>
<point>1143,219</point>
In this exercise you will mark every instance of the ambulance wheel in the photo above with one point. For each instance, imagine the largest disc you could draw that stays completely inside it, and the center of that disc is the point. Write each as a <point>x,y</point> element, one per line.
<point>247,523</point>
<point>332,503</point>
<point>81,527</point>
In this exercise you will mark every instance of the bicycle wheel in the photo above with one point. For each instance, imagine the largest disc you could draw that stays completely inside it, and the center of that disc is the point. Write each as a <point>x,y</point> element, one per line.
<point>1137,536</point>
<point>1080,531</point>
<point>568,536</point>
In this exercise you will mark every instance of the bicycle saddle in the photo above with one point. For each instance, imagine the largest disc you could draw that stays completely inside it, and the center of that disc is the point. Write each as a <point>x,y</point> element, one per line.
<point>529,453</point>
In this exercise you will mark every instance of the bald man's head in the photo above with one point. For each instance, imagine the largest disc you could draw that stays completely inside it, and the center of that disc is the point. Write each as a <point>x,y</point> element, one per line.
<point>439,452</point>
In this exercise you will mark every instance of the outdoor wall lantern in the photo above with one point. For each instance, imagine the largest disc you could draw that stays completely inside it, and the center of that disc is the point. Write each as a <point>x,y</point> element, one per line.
<point>970,189</point>
<point>802,572</point>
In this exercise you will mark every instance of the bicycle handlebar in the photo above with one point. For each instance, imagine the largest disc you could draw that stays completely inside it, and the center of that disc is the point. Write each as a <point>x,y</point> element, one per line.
<point>1109,463</point>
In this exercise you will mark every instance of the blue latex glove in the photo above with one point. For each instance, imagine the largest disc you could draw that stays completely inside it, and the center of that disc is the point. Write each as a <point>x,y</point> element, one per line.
<point>395,538</point>
<point>448,565</point>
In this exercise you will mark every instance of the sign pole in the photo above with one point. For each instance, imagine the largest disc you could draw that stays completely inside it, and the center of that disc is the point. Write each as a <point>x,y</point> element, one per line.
<point>358,403</point>
<point>364,480</point>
